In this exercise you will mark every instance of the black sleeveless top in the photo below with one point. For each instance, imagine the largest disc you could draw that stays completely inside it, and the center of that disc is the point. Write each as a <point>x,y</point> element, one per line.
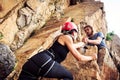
<point>59,51</point>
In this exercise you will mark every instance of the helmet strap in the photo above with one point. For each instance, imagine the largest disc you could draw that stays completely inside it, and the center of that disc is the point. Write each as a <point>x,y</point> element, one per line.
<point>72,36</point>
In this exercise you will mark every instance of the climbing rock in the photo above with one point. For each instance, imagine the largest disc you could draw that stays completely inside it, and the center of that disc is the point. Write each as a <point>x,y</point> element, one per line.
<point>24,17</point>
<point>7,61</point>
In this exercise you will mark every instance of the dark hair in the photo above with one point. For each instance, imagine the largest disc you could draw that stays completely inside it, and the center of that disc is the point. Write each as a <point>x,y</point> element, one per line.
<point>68,32</point>
<point>88,26</point>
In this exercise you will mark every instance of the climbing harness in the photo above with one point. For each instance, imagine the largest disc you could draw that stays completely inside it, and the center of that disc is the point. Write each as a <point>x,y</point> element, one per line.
<point>39,70</point>
<point>44,65</point>
<point>51,52</point>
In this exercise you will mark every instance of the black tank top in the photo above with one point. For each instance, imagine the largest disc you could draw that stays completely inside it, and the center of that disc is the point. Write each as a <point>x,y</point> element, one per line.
<point>59,51</point>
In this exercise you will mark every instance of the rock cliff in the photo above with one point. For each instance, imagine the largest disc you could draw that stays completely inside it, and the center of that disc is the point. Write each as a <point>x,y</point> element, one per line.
<point>29,26</point>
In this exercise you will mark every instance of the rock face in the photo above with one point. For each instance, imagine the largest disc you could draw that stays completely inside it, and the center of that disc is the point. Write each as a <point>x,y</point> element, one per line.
<point>29,26</point>
<point>84,70</point>
<point>115,49</point>
<point>7,61</point>
<point>25,17</point>
<point>18,20</point>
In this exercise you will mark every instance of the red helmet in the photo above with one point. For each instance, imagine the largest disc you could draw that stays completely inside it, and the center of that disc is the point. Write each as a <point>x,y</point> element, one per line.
<point>68,26</point>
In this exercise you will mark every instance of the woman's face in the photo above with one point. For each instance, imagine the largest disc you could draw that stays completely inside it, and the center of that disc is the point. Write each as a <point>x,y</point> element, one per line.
<point>75,34</point>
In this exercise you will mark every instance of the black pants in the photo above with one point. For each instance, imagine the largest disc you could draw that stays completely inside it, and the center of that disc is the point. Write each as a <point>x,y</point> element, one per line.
<point>32,68</point>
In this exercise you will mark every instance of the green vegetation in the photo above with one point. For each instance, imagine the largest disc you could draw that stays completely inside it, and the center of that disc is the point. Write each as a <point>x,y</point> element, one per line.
<point>1,35</point>
<point>109,36</point>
